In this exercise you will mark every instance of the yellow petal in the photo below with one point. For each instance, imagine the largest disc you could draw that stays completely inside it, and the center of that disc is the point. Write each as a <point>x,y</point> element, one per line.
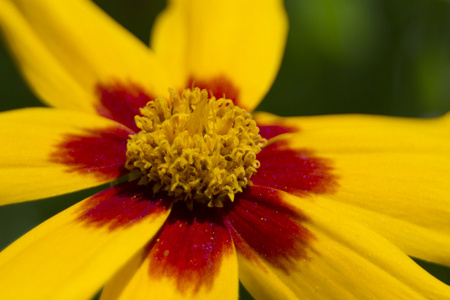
<point>223,44</point>
<point>66,49</point>
<point>115,286</point>
<point>392,175</point>
<point>191,258</point>
<point>343,260</point>
<point>47,152</point>
<point>52,83</point>
<point>296,124</point>
<point>143,286</point>
<point>71,255</point>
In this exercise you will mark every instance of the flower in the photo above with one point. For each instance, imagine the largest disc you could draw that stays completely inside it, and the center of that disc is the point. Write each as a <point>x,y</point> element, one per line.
<point>312,207</point>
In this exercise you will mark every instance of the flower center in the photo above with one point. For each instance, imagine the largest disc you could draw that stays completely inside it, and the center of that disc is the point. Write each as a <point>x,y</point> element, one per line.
<point>194,147</point>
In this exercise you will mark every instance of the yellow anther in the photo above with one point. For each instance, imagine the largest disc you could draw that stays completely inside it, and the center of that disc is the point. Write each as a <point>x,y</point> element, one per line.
<point>194,147</point>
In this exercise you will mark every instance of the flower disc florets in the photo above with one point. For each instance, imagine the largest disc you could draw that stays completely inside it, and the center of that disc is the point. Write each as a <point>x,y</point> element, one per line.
<point>194,147</point>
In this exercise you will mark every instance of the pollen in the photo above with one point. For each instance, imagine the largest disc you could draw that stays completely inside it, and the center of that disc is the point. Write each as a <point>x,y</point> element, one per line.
<point>194,147</point>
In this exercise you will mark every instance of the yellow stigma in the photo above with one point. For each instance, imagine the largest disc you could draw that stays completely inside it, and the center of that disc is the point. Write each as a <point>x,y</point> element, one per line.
<point>194,147</point>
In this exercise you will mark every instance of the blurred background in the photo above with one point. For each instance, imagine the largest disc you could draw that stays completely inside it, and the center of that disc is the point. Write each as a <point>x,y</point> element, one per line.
<point>389,57</point>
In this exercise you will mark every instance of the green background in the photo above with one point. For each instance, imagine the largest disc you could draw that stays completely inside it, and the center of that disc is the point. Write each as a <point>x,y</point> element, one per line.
<point>388,57</point>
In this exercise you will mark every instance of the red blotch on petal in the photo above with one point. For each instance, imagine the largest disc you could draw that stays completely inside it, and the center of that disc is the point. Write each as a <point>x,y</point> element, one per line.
<point>122,205</point>
<point>220,86</point>
<point>121,103</point>
<point>295,171</point>
<point>190,247</point>
<point>271,131</point>
<point>260,222</point>
<point>101,152</point>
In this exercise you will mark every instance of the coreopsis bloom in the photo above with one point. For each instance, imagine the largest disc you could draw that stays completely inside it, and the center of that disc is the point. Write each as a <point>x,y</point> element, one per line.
<point>295,208</point>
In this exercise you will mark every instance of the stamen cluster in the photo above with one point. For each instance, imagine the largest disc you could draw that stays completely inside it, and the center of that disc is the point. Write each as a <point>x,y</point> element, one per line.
<point>194,147</point>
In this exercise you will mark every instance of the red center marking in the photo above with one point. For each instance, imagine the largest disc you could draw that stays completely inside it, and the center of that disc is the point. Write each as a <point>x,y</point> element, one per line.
<point>122,205</point>
<point>101,152</point>
<point>270,131</point>
<point>190,247</point>
<point>121,103</point>
<point>295,171</point>
<point>260,222</point>
<point>220,86</point>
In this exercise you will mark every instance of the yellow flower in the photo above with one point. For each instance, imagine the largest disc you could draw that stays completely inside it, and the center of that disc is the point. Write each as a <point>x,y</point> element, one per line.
<point>295,208</point>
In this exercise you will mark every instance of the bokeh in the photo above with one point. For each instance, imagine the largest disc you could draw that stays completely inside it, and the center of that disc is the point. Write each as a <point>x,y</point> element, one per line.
<point>389,57</point>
